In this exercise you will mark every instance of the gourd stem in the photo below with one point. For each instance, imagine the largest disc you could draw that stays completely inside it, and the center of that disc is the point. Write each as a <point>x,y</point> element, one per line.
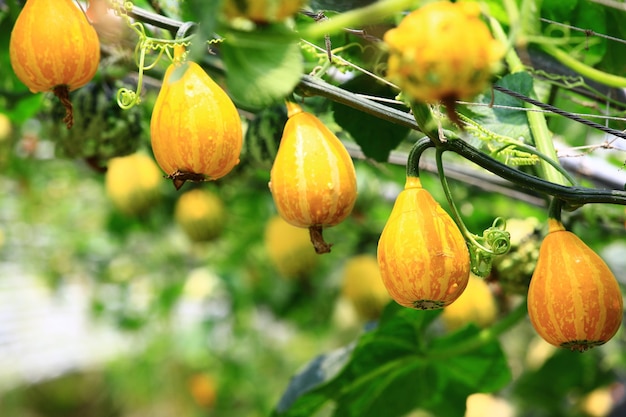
<point>412,163</point>
<point>574,195</point>
<point>555,208</point>
<point>455,212</point>
<point>63,93</point>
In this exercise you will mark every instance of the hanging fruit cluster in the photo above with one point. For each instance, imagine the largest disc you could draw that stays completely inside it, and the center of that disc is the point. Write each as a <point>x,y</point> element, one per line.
<point>54,48</point>
<point>442,52</point>
<point>574,300</point>
<point>312,180</point>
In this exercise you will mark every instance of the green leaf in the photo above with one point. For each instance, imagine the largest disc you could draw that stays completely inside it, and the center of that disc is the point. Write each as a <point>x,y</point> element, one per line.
<point>402,365</point>
<point>548,390</point>
<point>263,66</point>
<point>380,137</point>
<point>504,121</point>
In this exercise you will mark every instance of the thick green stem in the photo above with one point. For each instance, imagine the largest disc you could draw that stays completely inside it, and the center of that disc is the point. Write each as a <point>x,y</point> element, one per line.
<point>412,163</point>
<point>583,69</point>
<point>536,120</point>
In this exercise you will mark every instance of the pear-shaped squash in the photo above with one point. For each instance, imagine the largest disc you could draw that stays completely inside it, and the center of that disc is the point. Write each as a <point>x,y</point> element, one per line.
<point>201,215</point>
<point>476,305</point>
<point>195,128</point>
<point>262,11</point>
<point>289,249</point>
<point>574,300</point>
<point>423,258</point>
<point>363,286</point>
<point>54,48</point>
<point>133,182</point>
<point>312,180</point>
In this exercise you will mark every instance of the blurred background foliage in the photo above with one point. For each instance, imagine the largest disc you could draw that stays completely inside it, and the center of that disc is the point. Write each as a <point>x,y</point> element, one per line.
<point>177,326</point>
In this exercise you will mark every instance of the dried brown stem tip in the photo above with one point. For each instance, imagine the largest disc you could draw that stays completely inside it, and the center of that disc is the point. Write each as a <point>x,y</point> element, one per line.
<point>318,240</point>
<point>63,93</point>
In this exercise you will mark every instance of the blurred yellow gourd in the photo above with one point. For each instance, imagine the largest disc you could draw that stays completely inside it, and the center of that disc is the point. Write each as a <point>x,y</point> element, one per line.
<point>289,248</point>
<point>476,305</point>
<point>132,183</point>
<point>200,213</point>
<point>363,286</point>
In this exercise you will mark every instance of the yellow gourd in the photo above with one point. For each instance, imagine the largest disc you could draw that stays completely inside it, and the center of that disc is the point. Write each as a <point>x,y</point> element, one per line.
<point>312,180</point>
<point>442,51</point>
<point>289,248</point>
<point>54,48</point>
<point>423,258</point>
<point>262,11</point>
<point>200,214</point>
<point>574,300</point>
<point>195,128</point>
<point>476,305</point>
<point>132,183</point>
<point>363,286</point>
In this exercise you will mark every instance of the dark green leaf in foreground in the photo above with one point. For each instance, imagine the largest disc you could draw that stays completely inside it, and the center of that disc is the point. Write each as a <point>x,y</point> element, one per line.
<point>263,65</point>
<point>400,366</point>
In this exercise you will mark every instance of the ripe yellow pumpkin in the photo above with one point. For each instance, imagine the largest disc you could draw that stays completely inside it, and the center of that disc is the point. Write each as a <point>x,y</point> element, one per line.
<point>442,51</point>
<point>363,286</point>
<point>423,257</point>
<point>574,300</point>
<point>289,248</point>
<point>200,213</point>
<point>54,48</point>
<point>476,305</point>
<point>312,180</point>
<point>262,11</point>
<point>133,182</point>
<point>195,128</point>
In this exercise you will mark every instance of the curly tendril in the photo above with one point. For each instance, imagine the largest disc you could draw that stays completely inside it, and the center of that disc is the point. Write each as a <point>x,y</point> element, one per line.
<point>494,241</point>
<point>497,238</point>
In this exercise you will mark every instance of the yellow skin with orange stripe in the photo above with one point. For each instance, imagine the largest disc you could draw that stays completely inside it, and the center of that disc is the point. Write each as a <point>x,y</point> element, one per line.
<point>53,44</point>
<point>195,127</point>
<point>423,258</point>
<point>574,300</point>
<point>312,181</point>
<point>442,50</point>
<point>262,11</point>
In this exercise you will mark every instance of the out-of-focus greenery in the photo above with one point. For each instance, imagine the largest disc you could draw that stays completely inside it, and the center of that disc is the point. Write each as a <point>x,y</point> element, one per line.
<point>213,329</point>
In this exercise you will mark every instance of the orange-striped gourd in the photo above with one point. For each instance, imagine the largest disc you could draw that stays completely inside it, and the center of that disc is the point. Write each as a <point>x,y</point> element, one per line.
<point>262,11</point>
<point>574,300</point>
<point>53,44</point>
<point>423,258</point>
<point>312,180</point>
<point>53,47</point>
<point>195,128</point>
<point>442,51</point>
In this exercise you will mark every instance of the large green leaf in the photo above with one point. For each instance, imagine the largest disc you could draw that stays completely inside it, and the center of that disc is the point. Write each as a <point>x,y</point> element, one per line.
<point>376,137</point>
<point>400,366</point>
<point>263,66</point>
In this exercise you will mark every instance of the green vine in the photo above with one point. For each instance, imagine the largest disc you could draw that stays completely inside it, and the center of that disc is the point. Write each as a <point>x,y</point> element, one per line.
<point>494,241</point>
